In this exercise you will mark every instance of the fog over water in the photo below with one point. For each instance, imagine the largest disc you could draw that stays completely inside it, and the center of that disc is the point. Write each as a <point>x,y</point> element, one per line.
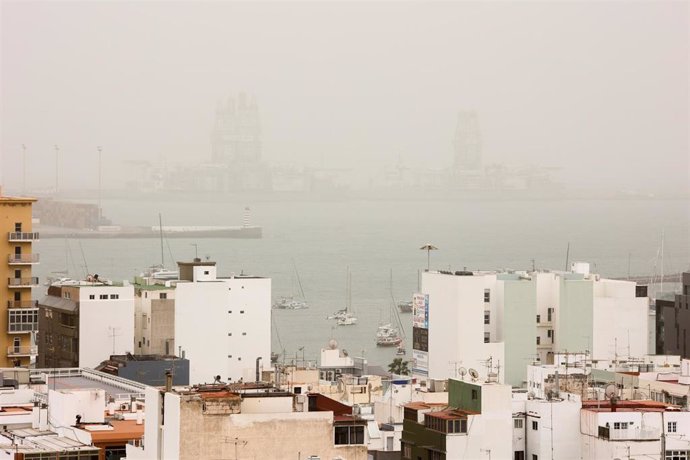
<point>358,105</point>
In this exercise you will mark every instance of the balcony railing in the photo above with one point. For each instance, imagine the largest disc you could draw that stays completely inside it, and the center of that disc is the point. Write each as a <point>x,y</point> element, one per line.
<point>18,328</point>
<point>15,237</point>
<point>28,350</point>
<point>21,259</point>
<point>22,282</point>
<point>22,303</point>
<point>629,434</point>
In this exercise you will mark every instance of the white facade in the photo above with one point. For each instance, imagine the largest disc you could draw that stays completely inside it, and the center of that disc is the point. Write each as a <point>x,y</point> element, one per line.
<point>526,316</point>
<point>222,325</point>
<point>106,323</point>
<point>456,327</point>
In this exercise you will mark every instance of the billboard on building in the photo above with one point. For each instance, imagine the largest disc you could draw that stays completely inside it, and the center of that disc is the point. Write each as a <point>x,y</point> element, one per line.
<point>420,339</point>
<point>420,362</point>
<point>420,311</point>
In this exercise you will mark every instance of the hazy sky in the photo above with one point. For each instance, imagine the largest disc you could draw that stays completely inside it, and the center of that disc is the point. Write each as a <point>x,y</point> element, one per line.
<point>597,89</point>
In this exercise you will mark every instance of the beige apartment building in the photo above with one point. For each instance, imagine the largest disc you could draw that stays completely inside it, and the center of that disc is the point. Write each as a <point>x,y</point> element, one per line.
<point>18,310</point>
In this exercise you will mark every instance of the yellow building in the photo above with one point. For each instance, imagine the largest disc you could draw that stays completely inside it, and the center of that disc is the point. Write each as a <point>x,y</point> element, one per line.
<point>18,311</point>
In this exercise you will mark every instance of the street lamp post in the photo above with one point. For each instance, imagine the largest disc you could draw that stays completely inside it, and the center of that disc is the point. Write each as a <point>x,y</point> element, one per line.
<point>100,151</point>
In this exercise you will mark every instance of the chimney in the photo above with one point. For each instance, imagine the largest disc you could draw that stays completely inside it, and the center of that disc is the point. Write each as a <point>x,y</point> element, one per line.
<point>168,381</point>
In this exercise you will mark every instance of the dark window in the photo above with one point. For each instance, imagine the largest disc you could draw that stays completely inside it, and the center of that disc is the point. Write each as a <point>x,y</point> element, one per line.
<point>114,296</point>
<point>535,425</point>
<point>205,272</point>
<point>519,455</point>
<point>487,295</point>
<point>475,394</point>
<point>487,317</point>
<point>92,296</point>
<point>18,227</point>
<point>487,337</point>
<point>548,313</point>
<point>103,296</point>
<point>349,435</point>
<point>538,319</point>
<point>164,295</point>
<point>538,340</point>
<point>535,457</point>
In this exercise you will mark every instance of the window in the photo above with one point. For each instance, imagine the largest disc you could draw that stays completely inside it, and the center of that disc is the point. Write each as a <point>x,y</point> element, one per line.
<point>538,319</point>
<point>548,313</point>
<point>244,333</point>
<point>671,427</point>
<point>349,435</point>
<point>103,296</point>
<point>517,423</point>
<point>487,337</point>
<point>241,312</point>
<point>18,227</point>
<point>67,295</point>
<point>487,295</point>
<point>475,395</point>
<point>206,272</point>
<point>23,320</point>
<point>114,296</point>
<point>535,457</point>
<point>620,425</point>
<point>92,296</point>
<point>519,455</point>
<point>677,455</point>
<point>457,426</point>
<point>487,317</point>
<point>535,425</point>
<point>538,340</point>
<point>163,296</point>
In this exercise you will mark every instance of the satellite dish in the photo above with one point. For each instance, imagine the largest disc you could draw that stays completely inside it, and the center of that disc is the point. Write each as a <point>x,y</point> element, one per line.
<point>462,372</point>
<point>474,374</point>
<point>610,391</point>
<point>530,395</point>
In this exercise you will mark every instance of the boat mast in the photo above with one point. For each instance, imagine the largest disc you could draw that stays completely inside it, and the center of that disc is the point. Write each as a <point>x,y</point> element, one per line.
<point>160,227</point>
<point>299,281</point>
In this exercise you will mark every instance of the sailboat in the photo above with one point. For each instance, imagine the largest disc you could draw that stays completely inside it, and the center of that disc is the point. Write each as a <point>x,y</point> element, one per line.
<point>290,302</point>
<point>346,318</point>
<point>388,335</point>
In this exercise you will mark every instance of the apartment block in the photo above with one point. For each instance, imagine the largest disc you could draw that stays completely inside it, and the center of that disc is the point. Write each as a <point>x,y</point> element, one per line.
<point>18,311</point>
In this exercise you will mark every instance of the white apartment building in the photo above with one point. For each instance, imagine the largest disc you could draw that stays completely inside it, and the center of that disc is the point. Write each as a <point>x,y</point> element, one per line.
<point>462,319</point>
<point>82,323</point>
<point>222,325</point>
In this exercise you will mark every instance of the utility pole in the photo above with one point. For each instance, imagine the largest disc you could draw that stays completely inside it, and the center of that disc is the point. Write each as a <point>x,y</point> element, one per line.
<point>100,151</point>
<point>57,167</point>
<point>23,169</point>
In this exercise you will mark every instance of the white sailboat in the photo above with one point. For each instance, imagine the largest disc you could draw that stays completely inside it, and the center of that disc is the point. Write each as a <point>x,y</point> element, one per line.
<point>389,335</point>
<point>290,302</point>
<point>346,318</point>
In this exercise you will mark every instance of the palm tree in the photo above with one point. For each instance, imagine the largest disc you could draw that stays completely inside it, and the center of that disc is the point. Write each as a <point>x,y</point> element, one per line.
<point>399,367</point>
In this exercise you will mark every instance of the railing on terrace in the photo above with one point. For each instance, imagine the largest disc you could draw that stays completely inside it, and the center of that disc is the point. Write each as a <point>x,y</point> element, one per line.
<point>131,387</point>
<point>22,303</point>
<point>16,282</point>
<point>22,350</point>
<point>23,258</point>
<point>23,236</point>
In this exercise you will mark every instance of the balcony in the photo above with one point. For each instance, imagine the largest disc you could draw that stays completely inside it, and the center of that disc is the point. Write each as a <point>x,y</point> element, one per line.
<point>22,303</point>
<point>29,350</point>
<point>22,282</point>
<point>544,323</point>
<point>630,434</point>
<point>23,259</point>
<point>21,237</point>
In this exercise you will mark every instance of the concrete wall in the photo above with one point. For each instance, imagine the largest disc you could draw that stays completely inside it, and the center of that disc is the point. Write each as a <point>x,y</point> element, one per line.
<point>152,372</point>
<point>66,405</point>
<point>249,436</point>
<point>558,428</point>
<point>162,327</point>
<point>574,321</point>
<point>106,327</point>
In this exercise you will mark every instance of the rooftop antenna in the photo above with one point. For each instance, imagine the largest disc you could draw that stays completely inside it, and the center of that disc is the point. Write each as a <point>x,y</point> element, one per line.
<point>196,250</point>
<point>567,256</point>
